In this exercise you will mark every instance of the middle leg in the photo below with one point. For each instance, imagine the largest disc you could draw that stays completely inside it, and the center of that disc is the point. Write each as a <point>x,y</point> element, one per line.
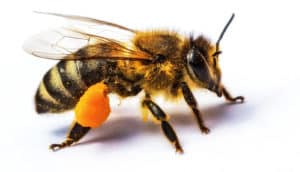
<point>165,125</point>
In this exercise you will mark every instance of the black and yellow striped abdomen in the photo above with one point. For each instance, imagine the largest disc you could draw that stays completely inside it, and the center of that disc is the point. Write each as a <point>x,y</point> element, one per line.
<point>63,85</point>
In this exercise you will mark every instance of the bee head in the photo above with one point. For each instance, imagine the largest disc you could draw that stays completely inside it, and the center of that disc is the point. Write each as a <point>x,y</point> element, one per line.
<point>203,62</point>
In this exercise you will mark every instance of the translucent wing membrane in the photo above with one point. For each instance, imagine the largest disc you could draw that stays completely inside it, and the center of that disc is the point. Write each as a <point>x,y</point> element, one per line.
<point>96,22</point>
<point>55,44</point>
<point>85,39</point>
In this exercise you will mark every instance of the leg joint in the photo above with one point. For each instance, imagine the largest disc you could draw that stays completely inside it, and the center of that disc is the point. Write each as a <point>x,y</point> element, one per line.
<point>157,112</point>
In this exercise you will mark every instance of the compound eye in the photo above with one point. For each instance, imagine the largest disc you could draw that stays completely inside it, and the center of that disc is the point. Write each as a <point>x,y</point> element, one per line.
<point>198,65</point>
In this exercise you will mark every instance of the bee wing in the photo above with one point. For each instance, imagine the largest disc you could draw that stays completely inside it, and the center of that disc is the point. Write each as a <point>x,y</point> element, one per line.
<point>92,21</point>
<point>55,44</point>
<point>100,39</point>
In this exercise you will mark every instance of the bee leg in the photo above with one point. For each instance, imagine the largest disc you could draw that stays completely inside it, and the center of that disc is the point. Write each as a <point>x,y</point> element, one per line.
<point>76,133</point>
<point>191,101</point>
<point>165,126</point>
<point>228,96</point>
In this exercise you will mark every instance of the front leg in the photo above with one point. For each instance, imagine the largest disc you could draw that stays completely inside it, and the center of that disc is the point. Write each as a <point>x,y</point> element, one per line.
<point>228,96</point>
<point>191,101</point>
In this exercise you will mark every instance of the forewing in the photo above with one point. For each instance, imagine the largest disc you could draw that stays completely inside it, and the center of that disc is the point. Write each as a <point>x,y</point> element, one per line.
<point>91,21</point>
<point>55,44</point>
<point>96,38</point>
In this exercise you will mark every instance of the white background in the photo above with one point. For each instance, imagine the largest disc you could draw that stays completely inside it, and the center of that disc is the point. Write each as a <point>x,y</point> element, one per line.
<point>260,60</point>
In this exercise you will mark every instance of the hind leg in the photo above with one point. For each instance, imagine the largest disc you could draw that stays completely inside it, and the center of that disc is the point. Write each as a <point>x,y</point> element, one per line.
<point>75,134</point>
<point>90,112</point>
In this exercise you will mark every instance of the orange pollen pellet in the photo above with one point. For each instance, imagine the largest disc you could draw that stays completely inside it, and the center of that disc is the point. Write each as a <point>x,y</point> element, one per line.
<point>93,107</point>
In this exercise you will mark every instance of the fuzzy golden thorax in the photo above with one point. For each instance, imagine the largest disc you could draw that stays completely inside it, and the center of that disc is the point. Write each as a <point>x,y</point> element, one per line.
<point>167,68</point>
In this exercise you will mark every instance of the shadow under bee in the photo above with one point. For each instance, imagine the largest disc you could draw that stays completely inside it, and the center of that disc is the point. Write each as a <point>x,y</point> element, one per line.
<point>128,127</point>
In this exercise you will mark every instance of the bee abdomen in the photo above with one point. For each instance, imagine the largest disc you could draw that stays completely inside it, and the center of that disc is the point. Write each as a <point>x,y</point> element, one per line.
<point>65,83</point>
<point>71,78</point>
<point>44,102</point>
<point>60,89</point>
<point>93,71</point>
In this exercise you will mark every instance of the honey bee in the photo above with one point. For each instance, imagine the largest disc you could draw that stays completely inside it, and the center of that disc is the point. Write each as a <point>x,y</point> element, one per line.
<point>157,62</point>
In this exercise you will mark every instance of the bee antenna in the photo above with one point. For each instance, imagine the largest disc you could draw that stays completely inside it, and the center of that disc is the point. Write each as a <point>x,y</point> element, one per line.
<point>223,32</point>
